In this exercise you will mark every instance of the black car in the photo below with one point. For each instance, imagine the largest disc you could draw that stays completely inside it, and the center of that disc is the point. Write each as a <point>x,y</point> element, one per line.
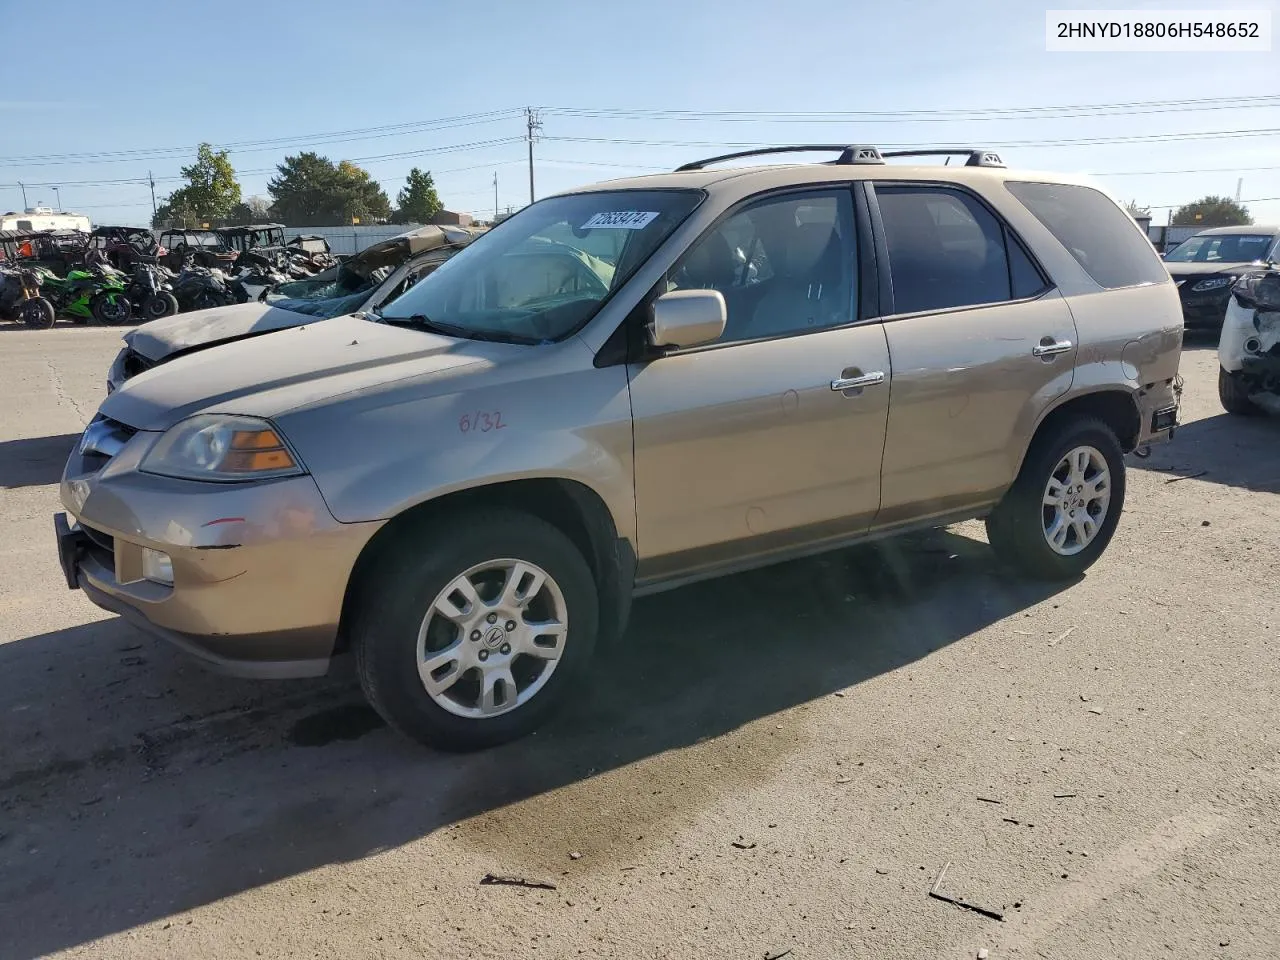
<point>1206,265</point>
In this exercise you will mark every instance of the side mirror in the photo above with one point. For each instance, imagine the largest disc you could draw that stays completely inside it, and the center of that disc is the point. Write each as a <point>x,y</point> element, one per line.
<point>688,318</point>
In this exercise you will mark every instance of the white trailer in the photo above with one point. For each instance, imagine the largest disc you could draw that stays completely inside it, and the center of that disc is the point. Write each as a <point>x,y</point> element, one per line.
<point>44,218</point>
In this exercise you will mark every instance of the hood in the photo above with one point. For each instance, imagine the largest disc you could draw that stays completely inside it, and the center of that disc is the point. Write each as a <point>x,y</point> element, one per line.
<point>1180,270</point>
<point>162,338</point>
<point>267,376</point>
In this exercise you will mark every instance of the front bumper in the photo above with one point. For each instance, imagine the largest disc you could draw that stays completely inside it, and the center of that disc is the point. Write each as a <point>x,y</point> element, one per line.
<point>1203,311</point>
<point>259,570</point>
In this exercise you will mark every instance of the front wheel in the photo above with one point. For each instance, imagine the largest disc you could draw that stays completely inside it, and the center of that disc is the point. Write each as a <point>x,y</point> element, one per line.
<point>157,305</point>
<point>111,308</point>
<point>207,300</point>
<point>1233,393</point>
<point>37,313</point>
<point>474,637</point>
<point>1062,510</point>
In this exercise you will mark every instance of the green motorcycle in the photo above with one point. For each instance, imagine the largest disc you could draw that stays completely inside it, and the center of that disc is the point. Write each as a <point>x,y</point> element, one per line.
<point>90,295</point>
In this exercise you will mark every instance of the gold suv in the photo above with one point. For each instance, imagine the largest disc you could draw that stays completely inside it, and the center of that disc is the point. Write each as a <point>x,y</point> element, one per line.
<point>619,390</point>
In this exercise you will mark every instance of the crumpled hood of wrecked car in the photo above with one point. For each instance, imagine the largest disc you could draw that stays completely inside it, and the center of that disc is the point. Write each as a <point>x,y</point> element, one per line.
<point>269,375</point>
<point>162,338</point>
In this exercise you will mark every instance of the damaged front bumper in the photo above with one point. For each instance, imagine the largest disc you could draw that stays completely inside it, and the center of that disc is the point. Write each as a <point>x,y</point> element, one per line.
<point>1249,348</point>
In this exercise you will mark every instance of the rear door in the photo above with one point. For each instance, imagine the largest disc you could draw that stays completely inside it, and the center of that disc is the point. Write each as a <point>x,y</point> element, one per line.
<point>980,343</point>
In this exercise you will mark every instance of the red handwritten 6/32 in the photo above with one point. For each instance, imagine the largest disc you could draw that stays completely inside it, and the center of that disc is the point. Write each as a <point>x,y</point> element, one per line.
<point>481,421</point>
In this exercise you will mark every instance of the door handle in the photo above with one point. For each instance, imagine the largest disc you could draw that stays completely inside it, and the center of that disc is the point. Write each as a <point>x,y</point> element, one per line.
<point>853,383</point>
<point>1052,348</point>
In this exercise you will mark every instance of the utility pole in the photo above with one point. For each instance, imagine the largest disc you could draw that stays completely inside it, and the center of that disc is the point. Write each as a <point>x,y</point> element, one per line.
<point>24,189</point>
<point>534,126</point>
<point>153,195</point>
<point>495,196</point>
<point>1239,187</point>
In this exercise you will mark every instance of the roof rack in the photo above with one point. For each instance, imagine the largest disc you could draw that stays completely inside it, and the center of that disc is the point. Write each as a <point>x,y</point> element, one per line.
<point>977,158</point>
<point>849,154</point>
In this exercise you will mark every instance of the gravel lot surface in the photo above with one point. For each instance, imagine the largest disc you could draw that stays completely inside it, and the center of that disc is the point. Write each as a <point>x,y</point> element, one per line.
<point>779,761</point>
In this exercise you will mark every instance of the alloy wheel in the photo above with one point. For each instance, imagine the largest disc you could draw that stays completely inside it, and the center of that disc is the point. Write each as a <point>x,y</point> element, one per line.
<point>492,638</point>
<point>1076,499</point>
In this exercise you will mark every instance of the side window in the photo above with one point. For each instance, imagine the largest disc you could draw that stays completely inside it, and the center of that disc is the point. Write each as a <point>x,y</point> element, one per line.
<point>1024,276</point>
<point>945,249</point>
<point>1103,238</point>
<point>786,264</point>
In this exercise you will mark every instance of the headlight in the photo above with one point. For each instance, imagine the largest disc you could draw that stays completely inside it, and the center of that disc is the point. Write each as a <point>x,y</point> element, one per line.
<point>1258,290</point>
<point>1213,284</point>
<point>221,447</point>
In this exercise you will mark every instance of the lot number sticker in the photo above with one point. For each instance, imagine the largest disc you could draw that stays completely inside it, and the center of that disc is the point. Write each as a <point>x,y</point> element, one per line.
<point>621,220</point>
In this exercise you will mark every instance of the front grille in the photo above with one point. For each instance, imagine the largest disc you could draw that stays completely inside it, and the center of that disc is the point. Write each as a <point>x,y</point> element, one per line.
<point>102,546</point>
<point>102,440</point>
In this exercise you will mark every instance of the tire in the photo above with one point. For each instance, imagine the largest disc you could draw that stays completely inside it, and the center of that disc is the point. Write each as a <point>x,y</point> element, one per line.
<point>111,308</point>
<point>1234,395</point>
<point>37,313</point>
<point>205,300</point>
<point>400,592</point>
<point>1019,527</point>
<point>157,305</point>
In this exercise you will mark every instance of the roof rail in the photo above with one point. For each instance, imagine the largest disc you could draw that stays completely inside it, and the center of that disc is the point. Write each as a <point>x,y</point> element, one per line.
<point>849,154</point>
<point>977,157</point>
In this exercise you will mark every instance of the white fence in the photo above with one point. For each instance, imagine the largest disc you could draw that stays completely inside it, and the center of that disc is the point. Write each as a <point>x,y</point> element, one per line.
<point>348,240</point>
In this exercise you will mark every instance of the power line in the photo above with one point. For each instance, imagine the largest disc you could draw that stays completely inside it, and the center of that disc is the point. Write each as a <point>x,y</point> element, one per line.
<point>1076,141</point>
<point>1175,206</point>
<point>248,146</point>
<point>1160,173</point>
<point>923,116</point>
<point>1123,108</point>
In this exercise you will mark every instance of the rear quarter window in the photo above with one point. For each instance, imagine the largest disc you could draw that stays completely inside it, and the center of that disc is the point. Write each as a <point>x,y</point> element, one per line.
<point>1101,236</point>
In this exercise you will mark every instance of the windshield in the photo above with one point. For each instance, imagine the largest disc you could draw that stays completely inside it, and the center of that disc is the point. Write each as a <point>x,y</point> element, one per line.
<point>546,271</point>
<point>1225,248</point>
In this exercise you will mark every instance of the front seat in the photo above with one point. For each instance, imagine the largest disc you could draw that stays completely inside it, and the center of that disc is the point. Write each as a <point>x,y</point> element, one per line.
<point>810,289</point>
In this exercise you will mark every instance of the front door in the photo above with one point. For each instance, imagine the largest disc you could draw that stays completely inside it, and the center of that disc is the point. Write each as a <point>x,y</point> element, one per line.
<point>980,342</point>
<point>770,438</point>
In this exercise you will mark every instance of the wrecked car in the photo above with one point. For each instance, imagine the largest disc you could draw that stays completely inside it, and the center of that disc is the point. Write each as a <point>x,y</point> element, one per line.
<point>205,248</point>
<point>368,279</point>
<point>1205,266</point>
<point>1249,347</point>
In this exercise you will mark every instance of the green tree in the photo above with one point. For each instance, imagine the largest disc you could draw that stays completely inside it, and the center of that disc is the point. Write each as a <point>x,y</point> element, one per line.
<point>311,190</point>
<point>418,202</point>
<point>1212,212</point>
<point>210,193</point>
<point>253,210</point>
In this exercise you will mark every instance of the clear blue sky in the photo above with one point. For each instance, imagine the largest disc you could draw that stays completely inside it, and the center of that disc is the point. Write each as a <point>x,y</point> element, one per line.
<point>146,76</point>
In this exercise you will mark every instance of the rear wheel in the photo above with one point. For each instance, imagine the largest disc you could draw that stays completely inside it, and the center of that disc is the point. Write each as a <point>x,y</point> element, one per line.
<point>111,308</point>
<point>1062,510</point>
<point>476,637</point>
<point>157,305</point>
<point>1233,392</point>
<point>37,313</point>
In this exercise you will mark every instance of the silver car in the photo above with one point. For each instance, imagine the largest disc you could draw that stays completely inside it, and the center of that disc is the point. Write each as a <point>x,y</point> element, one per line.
<point>372,277</point>
<point>619,390</point>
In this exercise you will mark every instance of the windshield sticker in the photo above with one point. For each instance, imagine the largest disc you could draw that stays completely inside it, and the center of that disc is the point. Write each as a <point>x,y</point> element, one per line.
<point>621,220</point>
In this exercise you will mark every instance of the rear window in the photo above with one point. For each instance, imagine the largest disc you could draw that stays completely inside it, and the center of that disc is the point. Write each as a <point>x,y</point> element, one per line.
<point>1101,236</point>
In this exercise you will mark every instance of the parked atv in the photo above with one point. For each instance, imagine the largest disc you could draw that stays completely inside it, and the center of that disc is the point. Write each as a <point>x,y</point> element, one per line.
<point>150,291</point>
<point>199,288</point>
<point>95,294</point>
<point>21,301</point>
